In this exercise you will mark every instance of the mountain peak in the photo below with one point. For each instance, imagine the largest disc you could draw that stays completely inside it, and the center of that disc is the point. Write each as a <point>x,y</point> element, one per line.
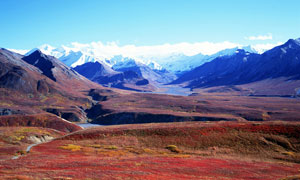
<point>32,51</point>
<point>293,41</point>
<point>41,61</point>
<point>36,53</point>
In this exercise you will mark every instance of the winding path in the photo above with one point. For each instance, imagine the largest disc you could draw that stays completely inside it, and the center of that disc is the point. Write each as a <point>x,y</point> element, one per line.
<point>28,149</point>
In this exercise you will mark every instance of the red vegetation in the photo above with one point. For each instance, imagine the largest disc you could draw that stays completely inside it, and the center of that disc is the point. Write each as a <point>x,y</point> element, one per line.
<point>216,150</point>
<point>39,120</point>
<point>79,165</point>
<point>191,128</point>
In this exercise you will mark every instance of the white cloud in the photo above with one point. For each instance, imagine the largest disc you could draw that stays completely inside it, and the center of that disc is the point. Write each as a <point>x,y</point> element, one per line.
<point>112,48</point>
<point>20,51</point>
<point>260,37</point>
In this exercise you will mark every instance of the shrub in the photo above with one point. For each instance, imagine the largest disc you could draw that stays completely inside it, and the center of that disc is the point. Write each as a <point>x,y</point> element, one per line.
<point>173,148</point>
<point>21,152</point>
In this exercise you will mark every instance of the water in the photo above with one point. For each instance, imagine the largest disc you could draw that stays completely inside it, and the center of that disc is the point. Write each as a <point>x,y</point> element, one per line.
<point>174,90</point>
<point>30,146</point>
<point>27,150</point>
<point>88,125</point>
<point>178,91</point>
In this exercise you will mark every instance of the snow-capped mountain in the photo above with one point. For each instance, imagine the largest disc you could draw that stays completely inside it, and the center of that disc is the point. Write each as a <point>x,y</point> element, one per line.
<point>149,70</point>
<point>49,50</point>
<point>180,63</point>
<point>161,69</point>
<point>68,56</point>
<point>244,67</point>
<point>154,72</point>
<point>173,61</point>
<point>118,62</point>
<point>73,57</point>
<point>154,65</point>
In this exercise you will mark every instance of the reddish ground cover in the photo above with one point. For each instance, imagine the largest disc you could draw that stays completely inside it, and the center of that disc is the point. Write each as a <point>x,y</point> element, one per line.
<point>47,161</point>
<point>139,152</point>
<point>44,120</point>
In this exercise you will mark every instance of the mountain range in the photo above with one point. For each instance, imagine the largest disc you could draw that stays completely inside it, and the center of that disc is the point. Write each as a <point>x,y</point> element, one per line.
<point>229,67</point>
<point>180,63</point>
<point>140,74</point>
<point>280,64</point>
<point>174,63</point>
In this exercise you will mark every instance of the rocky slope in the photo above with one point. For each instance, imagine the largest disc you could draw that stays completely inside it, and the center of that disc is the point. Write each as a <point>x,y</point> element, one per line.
<point>41,84</point>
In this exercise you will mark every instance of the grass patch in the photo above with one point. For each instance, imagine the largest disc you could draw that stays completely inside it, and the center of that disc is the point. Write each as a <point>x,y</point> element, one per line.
<point>97,146</point>
<point>149,151</point>
<point>288,153</point>
<point>18,138</point>
<point>111,147</point>
<point>71,147</point>
<point>297,177</point>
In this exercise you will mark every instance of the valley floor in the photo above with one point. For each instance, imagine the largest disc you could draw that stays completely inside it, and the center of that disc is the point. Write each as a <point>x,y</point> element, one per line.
<point>189,150</point>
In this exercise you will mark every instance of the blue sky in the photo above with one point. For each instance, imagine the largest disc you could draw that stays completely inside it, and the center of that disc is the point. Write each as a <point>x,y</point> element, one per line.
<point>30,23</point>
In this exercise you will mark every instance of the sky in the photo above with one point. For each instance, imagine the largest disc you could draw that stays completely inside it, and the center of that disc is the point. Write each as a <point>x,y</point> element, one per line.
<point>26,24</point>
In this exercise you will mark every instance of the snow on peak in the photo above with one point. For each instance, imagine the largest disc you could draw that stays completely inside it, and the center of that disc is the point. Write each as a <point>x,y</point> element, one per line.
<point>70,57</point>
<point>154,65</point>
<point>249,49</point>
<point>119,62</point>
<point>32,51</point>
